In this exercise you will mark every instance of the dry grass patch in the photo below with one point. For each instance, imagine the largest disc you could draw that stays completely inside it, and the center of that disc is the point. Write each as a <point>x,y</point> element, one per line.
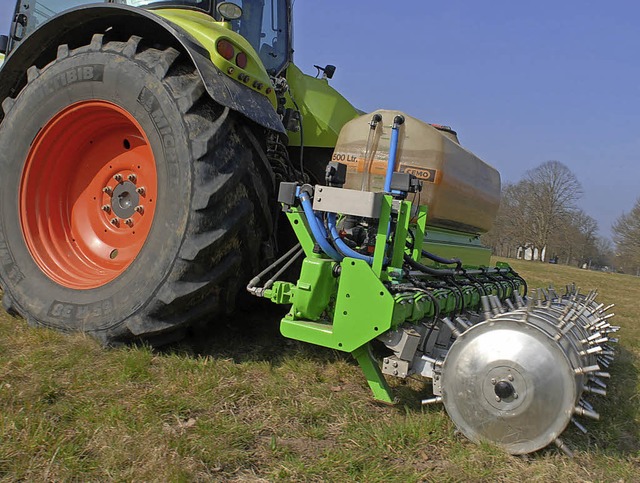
<point>241,403</point>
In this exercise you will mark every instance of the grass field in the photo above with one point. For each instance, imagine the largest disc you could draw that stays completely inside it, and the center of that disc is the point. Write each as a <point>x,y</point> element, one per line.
<point>244,404</point>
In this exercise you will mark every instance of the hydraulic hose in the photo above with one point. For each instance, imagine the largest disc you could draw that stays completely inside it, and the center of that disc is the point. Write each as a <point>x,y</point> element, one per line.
<point>445,261</point>
<point>436,272</point>
<point>342,247</point>
<point>318,232</point>
<point>370,152</point>
<point>393,150</point>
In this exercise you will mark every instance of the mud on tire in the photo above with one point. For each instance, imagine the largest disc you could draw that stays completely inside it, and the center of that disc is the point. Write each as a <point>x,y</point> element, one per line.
<point>211,214</point>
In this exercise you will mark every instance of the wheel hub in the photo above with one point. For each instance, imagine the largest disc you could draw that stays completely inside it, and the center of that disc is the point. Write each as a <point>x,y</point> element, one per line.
<point>125,200</point>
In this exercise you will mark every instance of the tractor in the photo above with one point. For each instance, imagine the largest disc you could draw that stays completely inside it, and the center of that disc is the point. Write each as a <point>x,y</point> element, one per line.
<point>161,159</point>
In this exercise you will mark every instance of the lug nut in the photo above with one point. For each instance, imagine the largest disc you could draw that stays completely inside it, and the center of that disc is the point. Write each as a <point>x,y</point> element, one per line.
<point>139,209</point>
<point>510,377</point>
<point>106,208</point>
<point>128,222</point>
<point>115,222</point>
<point>141,191</point>
<point>107,190</point>
<point>118,177</point>
<point>132,177</point>
<point>493,381</point>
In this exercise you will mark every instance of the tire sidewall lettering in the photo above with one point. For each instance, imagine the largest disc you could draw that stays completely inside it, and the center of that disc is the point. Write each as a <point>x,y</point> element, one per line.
<point>86,76</point>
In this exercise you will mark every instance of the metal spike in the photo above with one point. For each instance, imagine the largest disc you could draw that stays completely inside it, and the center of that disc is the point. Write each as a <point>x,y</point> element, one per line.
<point>598,382</point>
<point>431,360</point>
<point>563,447</point>
<point>579,426</point>
<point>591,337</point>
<point>587,413</point>
<point>602,374</point>
<point>497,305</point>
<point>587,369</point>
<point>454,330</point>
<point>610,306</point>
<point>486,307</point>
<point>433,400</point>
<point>510,305</point>
<point>591,350</point>
<point>465,324</point>
<point>595,390</point>
<point>585,404</point>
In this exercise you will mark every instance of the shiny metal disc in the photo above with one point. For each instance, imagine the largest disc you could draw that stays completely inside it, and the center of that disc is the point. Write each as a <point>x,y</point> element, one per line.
<point>507,382</point>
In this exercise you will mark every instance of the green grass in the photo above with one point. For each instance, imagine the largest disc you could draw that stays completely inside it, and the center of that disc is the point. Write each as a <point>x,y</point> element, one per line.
<point>244,404</point>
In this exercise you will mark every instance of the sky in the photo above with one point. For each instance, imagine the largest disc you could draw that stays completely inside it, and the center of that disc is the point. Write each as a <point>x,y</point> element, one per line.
<point>521,82</point>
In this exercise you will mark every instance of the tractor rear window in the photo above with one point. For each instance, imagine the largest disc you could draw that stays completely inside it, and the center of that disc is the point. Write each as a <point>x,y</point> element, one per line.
<point>264,23</point>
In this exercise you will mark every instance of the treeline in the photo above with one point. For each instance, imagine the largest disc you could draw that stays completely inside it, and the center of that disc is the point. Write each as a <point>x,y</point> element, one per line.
<point>539,218</point>
<point>626,235</point>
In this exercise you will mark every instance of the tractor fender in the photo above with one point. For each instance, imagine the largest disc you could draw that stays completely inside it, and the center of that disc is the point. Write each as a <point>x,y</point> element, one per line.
<point>76,27</point>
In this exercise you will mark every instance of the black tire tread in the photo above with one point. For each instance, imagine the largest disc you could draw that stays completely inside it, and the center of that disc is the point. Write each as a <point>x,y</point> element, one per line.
<point>229,217</point>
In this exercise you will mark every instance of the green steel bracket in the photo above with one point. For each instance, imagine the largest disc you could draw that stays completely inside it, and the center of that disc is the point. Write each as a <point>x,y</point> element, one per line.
<point>375,379</point>
<point>363,311</point>
<point>303,232</point>
<point>400,236</point>
<point>420,230</point>
<point>380,251</point>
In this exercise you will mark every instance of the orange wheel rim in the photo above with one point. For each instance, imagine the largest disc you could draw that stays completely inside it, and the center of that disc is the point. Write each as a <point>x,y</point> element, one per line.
<point>88,194</point>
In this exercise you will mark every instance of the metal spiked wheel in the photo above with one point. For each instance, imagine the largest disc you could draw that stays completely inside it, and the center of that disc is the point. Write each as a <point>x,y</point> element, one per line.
<point>521,376</point>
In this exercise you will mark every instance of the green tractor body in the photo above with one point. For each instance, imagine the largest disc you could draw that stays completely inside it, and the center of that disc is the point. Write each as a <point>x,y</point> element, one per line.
<point>148,150</point>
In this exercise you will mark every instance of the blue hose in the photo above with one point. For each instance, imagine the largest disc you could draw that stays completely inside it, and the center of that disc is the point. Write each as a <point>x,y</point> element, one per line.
<point>317,230</point>
<point>393,150</point>
<point>342,246</point>
<point>392,159</point>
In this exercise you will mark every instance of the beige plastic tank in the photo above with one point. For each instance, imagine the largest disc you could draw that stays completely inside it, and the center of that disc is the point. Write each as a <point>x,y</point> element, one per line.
<point>461,191</point>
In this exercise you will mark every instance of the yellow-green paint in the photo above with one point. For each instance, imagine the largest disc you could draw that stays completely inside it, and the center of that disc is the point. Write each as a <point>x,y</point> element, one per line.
<point>207,31</point>
<point>324,110</point>
<point>363,310</point>
<point>1,59</point>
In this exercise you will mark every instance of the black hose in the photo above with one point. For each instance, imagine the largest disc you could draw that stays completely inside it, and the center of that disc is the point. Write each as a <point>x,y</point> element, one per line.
<point>445,261</point>
<point>462,306</point>
<point>436,272</point>
<point>476,283</point>
<point>524,282</point>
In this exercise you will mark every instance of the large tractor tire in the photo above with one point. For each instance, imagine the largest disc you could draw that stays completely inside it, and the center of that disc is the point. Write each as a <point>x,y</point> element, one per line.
<point>131,204</point>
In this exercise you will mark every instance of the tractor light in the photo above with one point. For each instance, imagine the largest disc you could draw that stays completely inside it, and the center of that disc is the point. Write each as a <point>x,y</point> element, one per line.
<point>225,49</point>
<point>241,60</point>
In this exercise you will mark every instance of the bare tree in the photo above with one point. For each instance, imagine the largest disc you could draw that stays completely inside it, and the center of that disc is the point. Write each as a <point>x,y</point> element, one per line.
<point>540,211</point>
<point>552,192</point>
<point>626,236</point>
<point>574,239</point>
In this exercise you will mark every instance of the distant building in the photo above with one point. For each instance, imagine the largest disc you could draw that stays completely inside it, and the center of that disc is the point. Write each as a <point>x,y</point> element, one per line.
<point>529,252</point>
